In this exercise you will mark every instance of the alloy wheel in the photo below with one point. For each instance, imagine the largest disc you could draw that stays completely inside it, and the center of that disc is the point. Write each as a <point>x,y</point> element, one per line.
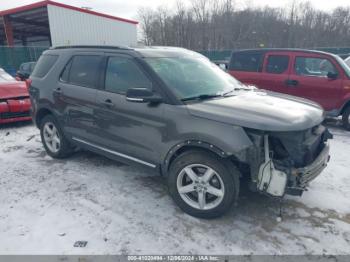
<point>51,137</point>
<point>200,186</point>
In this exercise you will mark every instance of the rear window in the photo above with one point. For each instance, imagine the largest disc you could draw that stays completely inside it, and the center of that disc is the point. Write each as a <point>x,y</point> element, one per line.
<point>44,64</point>
<point>249,62</point>
<point>277,64</point>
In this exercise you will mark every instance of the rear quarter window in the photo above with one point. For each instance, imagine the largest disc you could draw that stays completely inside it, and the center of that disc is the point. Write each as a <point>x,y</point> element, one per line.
<point>44,64</point>
<point>248,62</point>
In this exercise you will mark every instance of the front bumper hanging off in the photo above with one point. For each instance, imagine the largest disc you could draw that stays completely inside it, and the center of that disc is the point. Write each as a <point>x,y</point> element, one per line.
<point>308,173</point>
<point>278,180</point>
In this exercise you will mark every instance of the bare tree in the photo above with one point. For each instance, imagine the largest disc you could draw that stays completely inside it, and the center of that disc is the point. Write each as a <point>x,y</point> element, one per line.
<point>220,24</point>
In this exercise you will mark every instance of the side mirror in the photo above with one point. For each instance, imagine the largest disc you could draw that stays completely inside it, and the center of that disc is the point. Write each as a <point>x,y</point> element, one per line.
<point>332,76</point>
<point>142,95</point>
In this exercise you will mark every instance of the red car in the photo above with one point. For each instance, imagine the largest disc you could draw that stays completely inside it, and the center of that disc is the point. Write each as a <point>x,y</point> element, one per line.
<point>318,76</point>
<point>14,99</point>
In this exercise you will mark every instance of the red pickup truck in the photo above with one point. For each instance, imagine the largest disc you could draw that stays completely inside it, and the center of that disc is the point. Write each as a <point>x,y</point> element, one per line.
<point>318,76</point>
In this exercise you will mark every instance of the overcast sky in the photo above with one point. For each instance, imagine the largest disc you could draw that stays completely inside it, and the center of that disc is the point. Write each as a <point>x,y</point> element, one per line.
<point>128,8</point>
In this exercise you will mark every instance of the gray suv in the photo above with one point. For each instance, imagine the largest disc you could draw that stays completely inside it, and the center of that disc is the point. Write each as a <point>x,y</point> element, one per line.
<point>172,110</point>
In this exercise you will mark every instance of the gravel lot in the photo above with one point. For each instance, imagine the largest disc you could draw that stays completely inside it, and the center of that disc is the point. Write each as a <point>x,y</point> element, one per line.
<point>47,205</point>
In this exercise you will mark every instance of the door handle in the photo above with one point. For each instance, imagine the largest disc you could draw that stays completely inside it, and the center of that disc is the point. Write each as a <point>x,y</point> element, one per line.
<point>291,82</point>
<point>108,103</point>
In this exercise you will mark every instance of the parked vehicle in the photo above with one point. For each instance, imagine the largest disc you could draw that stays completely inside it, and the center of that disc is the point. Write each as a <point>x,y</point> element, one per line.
<point>347,61</point>
<point>25,70</point>
<point>318,76</point>
<point>223,64</point>
<point>174,111</point>
<point>14,99</point>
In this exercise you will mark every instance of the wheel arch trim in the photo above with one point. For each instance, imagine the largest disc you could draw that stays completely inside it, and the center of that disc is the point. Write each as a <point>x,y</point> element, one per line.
<point>191,144</point>
<point>40,114</point>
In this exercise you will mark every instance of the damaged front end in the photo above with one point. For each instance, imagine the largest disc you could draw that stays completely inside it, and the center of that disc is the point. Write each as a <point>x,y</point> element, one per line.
<point>285,162</point>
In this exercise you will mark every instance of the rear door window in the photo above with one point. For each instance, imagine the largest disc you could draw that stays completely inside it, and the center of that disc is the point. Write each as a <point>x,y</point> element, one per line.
<point>277,64</point>
<point>44,64</point>
<point>249,62</point>
<point>82,70</point>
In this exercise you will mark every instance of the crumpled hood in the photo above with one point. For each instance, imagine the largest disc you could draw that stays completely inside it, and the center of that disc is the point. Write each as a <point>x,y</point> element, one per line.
<point>13,90</point>
<point>262,110</point>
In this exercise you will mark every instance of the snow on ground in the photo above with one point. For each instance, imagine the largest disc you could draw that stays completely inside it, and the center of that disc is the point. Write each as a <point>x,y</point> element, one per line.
<point>46,205</point>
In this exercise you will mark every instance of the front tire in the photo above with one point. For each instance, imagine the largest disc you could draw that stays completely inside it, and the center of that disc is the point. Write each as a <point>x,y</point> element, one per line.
<point>346,118</point>
<point>202,184</point>
<point>52,137</point>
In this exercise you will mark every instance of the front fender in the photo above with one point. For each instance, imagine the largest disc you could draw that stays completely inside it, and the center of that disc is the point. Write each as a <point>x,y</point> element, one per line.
<point>221,146</point>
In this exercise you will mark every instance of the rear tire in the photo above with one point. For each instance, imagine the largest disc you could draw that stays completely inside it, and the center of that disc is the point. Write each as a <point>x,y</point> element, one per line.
<point>52,137</point>
<point>346,118</point>
<point>202,184</point>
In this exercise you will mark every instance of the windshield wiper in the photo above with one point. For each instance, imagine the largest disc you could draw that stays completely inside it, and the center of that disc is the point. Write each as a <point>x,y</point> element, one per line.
<point>201,97</point>
<point>237,89</point>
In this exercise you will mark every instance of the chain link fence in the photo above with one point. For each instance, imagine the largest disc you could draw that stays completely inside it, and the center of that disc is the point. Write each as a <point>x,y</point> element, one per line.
<point>12,57</point>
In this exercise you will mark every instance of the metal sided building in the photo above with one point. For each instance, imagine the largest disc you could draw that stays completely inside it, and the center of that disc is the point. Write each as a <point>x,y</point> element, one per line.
<point>49,23</point>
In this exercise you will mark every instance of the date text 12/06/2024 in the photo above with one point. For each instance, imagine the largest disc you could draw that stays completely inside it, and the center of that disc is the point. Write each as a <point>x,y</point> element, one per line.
<point>173,258</point>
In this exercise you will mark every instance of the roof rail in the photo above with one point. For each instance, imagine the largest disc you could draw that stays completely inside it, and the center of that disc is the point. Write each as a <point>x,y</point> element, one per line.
<point>92,46</point>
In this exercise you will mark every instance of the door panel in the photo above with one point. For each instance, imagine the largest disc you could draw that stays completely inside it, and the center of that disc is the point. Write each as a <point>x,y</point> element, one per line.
<point>276,71</point>
<point>133,129</point>
<point>77,105</point>
<point>309,75</point>
<point>248,78</point>
<point>75,95</point>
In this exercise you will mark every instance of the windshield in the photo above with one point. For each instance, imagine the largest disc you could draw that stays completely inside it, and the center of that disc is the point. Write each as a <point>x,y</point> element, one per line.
<point>343,65</point>
<point>5,77</point>
<point>193,77</point>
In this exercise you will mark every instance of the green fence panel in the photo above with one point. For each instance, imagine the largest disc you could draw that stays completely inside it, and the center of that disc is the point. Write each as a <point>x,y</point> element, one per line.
<point>12,57</point>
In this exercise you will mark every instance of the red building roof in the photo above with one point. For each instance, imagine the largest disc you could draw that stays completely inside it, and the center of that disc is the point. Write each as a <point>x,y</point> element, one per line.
<point>48,2</point>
